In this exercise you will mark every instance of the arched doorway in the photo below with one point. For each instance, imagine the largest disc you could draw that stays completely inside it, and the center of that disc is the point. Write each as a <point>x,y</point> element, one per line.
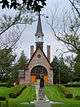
<point>36,71</point>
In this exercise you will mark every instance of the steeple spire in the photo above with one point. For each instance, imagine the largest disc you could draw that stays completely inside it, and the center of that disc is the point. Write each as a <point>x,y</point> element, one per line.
<point>39,31</point>
<point>39,34</point>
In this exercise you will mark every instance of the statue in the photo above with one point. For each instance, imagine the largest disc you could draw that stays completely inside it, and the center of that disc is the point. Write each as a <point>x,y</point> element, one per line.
<point>41,89</point>
<point>41,81</point>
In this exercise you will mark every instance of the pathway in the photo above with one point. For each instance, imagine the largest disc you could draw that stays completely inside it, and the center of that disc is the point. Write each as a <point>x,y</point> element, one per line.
<point>42,100</point>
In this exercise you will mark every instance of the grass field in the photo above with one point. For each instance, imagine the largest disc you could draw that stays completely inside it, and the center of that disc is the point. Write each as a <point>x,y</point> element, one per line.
<point>55,94</point>
<point>4,91</point>
<point>27,95</point>
<point>75,91</point>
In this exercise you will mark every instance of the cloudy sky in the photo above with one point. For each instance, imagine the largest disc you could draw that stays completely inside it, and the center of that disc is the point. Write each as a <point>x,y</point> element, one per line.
<point>28,36</point>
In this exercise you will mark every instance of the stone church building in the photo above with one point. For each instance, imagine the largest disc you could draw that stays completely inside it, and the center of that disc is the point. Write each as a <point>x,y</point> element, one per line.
<point>39,63</point>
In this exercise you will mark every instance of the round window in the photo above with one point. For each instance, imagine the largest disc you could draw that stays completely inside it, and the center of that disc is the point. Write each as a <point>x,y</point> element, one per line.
<point>39,56</point>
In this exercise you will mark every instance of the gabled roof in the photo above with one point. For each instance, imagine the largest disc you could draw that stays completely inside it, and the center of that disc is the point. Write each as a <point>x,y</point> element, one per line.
<point>34,55</point>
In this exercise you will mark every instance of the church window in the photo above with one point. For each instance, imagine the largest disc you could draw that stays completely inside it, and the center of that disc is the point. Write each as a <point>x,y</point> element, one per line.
<point>39,56</point>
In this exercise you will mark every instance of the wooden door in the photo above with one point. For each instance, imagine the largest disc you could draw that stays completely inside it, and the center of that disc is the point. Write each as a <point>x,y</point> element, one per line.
<point>33,79</point>
<point>46,79</point>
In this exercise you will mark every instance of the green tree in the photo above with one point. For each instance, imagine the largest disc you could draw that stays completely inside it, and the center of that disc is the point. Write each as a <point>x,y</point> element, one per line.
<point>6,64</point>
<point>77,68</point>
<point>22,61</point>
<point>55,65</point>
<point>61,71</point>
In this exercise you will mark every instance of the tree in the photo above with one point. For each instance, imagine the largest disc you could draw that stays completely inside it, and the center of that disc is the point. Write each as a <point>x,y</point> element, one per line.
<point>77,68</point>
<point>10,38</point>
<point>69,35</point>
<point>31,4</point>
<point>76,6</point>
<point>69,31</point>
<point>22,61</point>
<point>23,13</point>
<point>61,71</point>
<point>6,64</point>
<point>55,64</point>
<point>22,16</point>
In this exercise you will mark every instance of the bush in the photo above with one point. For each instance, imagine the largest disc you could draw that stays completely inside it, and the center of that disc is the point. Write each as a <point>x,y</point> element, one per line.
<point>65,91</point>
<point>72,84</point>
<point>16,91</point>
<point>77,97</point>
<point>6,85</point>
<point>2,98</point>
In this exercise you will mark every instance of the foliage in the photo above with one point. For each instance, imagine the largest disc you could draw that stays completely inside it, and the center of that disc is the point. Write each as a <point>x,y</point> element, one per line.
<point>2,98</point>
<point>77,68</point>
<point>6,85</point>
<point>65,91</point>
<point>74,90</point>
<point>27,95</point>
<point>16,91</point>
<point>61,71</point>
<point>31,4</point>
<point>72,84</point>
<point>7,70</point>
<point>22,61</point>
<point>66,105</point>
<point>54,94</point>
<point>77,97</point>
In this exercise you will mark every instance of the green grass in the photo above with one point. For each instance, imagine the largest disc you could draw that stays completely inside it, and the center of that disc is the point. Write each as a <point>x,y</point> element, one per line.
<point>4,91</point>
<point>55,94</point>
<point>27,95</point>
<point>74,90</point>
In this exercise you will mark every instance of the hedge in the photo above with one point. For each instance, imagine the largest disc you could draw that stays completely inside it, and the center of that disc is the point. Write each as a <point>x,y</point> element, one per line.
<point>65,91</point>
<point>2,98</point>
<point>6,85</point>
<point>72,85</point>
<point>16,91</point>
<point>77,97</point>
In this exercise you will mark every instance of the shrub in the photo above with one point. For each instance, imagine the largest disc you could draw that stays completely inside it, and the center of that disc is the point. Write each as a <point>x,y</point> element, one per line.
<point>16,91</point>
<point>77,97</point>
<point>6,85</point>
<point>72,84</point>
<point>2,98</point>
<point>65,91</point>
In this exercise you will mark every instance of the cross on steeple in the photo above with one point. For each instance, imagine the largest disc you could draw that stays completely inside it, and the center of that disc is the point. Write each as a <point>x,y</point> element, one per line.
<point>39,33</point>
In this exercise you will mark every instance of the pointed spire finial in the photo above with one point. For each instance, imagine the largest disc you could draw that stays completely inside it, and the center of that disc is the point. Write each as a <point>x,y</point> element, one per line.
<point>39,31</point>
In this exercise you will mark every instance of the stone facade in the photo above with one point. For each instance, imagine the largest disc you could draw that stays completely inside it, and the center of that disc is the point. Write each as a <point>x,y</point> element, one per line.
<point>35,61</point>
<point>39,64</point>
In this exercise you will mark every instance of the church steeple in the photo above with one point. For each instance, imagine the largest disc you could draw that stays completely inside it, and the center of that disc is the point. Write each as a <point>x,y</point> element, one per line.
<point>39,34</point>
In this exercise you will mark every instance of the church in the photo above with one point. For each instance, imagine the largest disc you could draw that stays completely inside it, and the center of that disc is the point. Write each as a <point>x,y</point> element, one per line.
<point>39,63</point>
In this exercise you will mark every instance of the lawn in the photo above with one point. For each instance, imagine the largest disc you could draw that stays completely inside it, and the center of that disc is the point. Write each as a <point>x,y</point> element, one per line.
<point>55,94</point>
<point>27,95</point>
<point>75,91</point>
<point>4,91</point>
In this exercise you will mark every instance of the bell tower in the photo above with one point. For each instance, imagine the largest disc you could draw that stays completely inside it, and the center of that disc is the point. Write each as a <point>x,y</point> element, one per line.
<point>39,34</point>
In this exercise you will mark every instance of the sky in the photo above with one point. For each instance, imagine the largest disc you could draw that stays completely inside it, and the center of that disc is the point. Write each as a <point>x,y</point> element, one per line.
<point>28,36</point>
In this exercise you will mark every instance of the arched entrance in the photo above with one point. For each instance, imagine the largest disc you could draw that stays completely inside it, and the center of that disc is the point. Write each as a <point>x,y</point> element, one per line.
<point>36,71</point>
